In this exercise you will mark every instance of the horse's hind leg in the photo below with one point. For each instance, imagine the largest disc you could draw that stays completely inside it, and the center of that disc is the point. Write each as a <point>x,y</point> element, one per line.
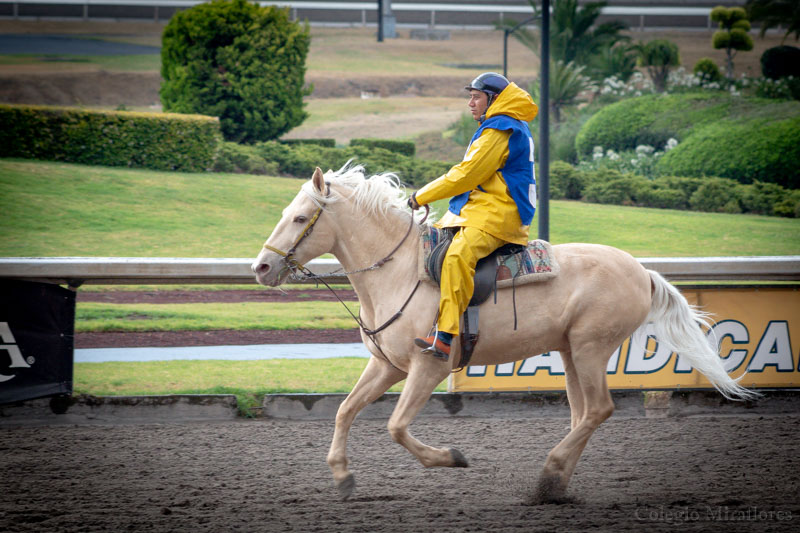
<point>589,370</point>
<point>374,381</point>
<point>423,377</point>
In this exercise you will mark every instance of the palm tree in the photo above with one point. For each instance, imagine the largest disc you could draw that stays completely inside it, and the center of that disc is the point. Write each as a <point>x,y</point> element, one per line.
<point>658,56</point>
<point>618,61</point>
<point>567,82</point>
<point>772,13</point>
<point>573,33</point>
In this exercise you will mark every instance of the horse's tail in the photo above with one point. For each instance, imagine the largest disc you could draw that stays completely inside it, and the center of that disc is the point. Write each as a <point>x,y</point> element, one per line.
<point>678,325</point>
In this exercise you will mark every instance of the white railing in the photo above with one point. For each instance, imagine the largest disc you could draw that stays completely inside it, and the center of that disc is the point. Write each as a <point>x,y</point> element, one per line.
<point>75,271</point>
<point>370,7</point>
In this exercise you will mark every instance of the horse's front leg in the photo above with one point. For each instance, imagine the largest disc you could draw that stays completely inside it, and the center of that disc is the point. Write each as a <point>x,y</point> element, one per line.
<point>424,375</point>
<point>376,379</point>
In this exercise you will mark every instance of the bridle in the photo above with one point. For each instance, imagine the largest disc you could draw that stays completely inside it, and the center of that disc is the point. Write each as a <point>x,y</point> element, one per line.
<point>290,263</point>
<point>296,267</point>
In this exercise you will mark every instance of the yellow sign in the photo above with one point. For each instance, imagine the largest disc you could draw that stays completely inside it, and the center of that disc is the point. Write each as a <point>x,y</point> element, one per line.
<point>754,331</point>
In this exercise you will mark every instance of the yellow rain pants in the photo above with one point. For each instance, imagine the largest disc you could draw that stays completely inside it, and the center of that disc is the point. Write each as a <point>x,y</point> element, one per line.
<point>458,273</point>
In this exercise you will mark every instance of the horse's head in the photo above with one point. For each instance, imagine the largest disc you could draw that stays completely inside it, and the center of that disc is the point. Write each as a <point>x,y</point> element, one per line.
<point>299,235</point>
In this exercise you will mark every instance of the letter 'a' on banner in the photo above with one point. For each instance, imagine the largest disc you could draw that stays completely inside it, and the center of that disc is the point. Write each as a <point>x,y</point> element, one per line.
<point>37,325</point>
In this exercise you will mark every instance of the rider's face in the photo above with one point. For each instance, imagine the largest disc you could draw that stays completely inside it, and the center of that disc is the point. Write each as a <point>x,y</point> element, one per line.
<point>478,103</point>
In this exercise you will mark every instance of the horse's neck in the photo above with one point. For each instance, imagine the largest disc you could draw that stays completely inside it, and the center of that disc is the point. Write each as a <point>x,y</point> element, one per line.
<point>363,241</point>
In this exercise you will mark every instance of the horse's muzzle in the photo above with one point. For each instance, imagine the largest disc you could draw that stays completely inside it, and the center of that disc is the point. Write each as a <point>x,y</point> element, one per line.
<point>265,274</point>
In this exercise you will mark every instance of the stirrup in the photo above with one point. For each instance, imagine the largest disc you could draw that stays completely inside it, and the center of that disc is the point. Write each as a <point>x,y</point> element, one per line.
<point>429,347</point>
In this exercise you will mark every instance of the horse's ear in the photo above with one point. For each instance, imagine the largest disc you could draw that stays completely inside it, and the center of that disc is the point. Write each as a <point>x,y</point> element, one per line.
<point>318,180</point>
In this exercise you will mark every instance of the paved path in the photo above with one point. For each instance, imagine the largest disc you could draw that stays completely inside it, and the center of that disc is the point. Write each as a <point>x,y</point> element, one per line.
<point>228,353</point>
<point>66,45</point>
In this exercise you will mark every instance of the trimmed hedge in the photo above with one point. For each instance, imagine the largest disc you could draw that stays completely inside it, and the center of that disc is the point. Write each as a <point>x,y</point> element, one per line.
<point>299,160</point>
<point>781,61</point>
<point>401,147</point>
<point>330,143</point>
<point>744,150</point>
<point>110,138</point>
<point>566,181</point>
<point>609,186</point>
<point>747,139</point>
<point>242,159</point>
<point>650,120</point>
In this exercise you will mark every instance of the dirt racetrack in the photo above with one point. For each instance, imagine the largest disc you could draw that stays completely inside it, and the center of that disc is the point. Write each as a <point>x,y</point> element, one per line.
<point>671,474</point>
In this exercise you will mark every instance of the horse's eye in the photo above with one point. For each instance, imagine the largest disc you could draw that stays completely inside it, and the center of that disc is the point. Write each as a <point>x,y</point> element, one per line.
<point>300,219</point>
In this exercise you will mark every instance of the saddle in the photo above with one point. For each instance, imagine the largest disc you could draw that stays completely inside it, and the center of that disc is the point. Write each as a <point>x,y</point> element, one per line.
<point>509,265</point>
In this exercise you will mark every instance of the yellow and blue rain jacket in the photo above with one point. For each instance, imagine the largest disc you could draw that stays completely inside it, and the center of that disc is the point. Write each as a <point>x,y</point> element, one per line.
<point>494,188</point>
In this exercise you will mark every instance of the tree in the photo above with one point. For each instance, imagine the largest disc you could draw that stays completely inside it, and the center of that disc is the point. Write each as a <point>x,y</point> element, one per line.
<point>237,61</point>
<point>772,13</point>
<point>574,35</point>
<point>658,56</point>
<point>732,35</point>
<point>567,82</point>
<point>618,61</point>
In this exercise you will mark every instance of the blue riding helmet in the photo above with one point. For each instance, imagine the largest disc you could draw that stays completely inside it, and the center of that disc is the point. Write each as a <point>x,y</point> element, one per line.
<point>489,82</point>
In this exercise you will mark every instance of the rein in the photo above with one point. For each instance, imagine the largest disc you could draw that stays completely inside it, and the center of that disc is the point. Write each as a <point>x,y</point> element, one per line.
<point>295,266</point>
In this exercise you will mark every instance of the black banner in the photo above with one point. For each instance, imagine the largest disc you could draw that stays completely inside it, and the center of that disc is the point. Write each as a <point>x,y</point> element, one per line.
<point>37,325</point>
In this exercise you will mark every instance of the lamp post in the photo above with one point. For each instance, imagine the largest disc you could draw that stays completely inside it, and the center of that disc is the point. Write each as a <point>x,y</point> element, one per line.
<point>543,206</point>
<point>544,127</point>
<point>506,33</point>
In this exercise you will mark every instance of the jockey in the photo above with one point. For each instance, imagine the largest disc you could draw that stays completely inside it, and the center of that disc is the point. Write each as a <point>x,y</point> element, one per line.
<point>493,194</point>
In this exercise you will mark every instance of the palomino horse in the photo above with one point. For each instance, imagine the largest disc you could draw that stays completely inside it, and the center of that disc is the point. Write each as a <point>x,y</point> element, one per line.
<point>600,297</point>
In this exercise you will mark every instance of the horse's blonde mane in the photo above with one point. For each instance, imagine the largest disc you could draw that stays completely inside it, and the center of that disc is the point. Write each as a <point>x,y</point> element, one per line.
<point>377,194</point>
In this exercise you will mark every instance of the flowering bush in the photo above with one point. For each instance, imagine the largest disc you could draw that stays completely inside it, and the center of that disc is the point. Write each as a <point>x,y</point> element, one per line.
<point>680,80</point>
<point>641,161</point>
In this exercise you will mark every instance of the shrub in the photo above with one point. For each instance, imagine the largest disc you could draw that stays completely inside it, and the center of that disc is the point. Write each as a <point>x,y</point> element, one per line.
<point>648,120</point>
<point>707,70</point>
<point>658,57</point>
<point>746,150</point>
<point>684,187</point>
<point>244,159</point>
<point>761,198</point>
<point>400,147</point>
<point>781,61</point>
<point>717,195</point>
<point>110,138</point>
<point>780,89</point>
<point>642,161</point>
<point>616,188</point>
<point>566,181</point>
<point>300,161</point>
<point>237,61</point>
<point>330,143</point>
<point>610,186</point>
<point>742,138</point>
<point>789,206</point>
<point>662,198</point>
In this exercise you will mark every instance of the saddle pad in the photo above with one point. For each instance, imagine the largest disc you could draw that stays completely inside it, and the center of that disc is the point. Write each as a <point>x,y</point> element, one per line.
<point>536,263</point>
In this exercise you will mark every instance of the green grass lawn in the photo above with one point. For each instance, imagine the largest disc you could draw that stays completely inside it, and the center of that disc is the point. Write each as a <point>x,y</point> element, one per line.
<point>96,316</point>
<point>59,209</point>
<point>248,380</point>
<point>122,63</point>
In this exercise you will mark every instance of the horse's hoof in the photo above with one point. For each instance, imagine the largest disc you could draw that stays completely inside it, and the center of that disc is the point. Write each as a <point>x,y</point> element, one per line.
<point>550,489</point>
<point>346,486</point>
<point>458,458</point>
